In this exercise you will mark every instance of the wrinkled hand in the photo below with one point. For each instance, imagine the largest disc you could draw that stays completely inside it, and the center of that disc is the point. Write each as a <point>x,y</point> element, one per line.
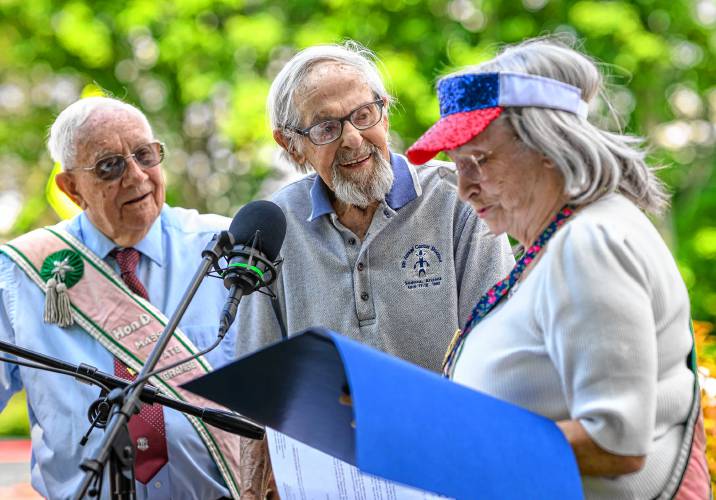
<point>257,481</point>
<point>272,492</point>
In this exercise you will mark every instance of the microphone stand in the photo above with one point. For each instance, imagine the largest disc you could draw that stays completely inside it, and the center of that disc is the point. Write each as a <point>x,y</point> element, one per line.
<point>116,446</point>
<point>226,420</point>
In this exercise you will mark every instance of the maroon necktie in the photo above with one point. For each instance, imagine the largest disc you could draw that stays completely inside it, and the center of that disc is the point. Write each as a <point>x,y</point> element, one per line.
<point>147,428</point>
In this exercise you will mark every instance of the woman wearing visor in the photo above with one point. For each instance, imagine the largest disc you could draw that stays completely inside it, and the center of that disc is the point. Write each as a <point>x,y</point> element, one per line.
<point>591,328</point>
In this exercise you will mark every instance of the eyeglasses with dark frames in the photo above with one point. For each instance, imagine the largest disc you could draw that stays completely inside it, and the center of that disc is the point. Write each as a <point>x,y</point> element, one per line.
<point>112,167</point>
<point>362,118</point>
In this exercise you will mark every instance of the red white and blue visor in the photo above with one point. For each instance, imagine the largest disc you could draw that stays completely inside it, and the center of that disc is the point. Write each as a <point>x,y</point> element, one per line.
<point>470,102</point>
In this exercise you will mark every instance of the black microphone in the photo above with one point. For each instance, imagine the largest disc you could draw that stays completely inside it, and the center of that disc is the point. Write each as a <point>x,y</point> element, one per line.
<point>226,420</point>
<point>232,422</point>
<point>258,229</point>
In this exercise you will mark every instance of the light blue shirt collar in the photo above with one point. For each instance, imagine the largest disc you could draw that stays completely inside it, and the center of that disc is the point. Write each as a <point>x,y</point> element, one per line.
<point>401,193</point>
<point>95,240</point>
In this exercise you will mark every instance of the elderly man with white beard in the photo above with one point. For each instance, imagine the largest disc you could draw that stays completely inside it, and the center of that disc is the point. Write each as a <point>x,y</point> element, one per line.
<point>376,248</point>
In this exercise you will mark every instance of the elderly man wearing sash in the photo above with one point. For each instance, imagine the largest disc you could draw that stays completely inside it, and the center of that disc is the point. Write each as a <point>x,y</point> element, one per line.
<point>97,289</point>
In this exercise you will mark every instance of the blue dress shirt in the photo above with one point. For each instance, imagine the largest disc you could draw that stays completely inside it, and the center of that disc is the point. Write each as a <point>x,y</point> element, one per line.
<point>57,404</point>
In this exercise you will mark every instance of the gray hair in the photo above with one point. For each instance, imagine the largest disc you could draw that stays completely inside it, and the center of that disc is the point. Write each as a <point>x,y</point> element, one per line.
<point>592,161</point>
<point>62,141</point>
<point>281,108</point>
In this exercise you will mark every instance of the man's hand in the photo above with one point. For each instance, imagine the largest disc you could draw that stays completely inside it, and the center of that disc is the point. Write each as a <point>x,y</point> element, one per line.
<point>257,482</point>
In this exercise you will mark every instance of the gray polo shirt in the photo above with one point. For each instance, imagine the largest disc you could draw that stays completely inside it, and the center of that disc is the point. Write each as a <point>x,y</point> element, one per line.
<point>404,289</point>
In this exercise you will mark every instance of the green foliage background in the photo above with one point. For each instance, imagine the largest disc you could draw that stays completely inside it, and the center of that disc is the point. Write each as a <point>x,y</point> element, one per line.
<point>201,70</point>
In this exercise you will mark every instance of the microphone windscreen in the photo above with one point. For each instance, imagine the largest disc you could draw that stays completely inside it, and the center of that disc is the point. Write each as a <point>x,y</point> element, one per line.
<point>264,216</point>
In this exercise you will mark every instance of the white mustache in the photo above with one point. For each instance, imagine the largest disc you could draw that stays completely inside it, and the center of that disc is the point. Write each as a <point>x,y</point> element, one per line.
<point>346,157</point>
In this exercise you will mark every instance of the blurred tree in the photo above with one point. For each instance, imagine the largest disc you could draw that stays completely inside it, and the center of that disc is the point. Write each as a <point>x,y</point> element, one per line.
<point>201,70</point>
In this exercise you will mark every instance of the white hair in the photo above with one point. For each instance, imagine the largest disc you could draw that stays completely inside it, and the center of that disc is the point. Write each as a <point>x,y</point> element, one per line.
<point>281,107</point>
<point>592,161</point>
<point>62,141</point>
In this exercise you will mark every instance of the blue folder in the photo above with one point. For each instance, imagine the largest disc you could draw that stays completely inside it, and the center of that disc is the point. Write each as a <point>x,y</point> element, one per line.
<point>400,422</point>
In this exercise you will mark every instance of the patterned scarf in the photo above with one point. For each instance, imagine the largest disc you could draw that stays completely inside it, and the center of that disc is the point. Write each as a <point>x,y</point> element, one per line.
<point>500,290</point>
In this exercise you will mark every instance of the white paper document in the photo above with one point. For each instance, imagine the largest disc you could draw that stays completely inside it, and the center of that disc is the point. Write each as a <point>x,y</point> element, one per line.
<point>304,473</point>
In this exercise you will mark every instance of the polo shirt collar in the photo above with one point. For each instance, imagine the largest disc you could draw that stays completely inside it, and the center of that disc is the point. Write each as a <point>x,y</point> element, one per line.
<point>320,202</point>
<point>401,192</point>
<point>95,240</point>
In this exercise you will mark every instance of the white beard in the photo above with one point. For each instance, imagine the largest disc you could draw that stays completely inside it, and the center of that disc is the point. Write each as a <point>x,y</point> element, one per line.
<point>365,186</point>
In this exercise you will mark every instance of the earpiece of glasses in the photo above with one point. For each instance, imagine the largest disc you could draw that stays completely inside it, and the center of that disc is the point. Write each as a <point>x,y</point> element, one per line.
<point>362,118</point>
<point>448,175</point>
<point>112,167</point>
<point>467,165</point>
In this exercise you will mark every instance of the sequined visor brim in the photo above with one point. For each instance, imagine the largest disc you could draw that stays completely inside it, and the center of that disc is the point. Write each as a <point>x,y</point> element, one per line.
<point>451,132</point>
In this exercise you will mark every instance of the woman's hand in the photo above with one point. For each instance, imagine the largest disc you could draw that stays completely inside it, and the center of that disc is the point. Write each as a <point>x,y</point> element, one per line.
<point>593,460</point>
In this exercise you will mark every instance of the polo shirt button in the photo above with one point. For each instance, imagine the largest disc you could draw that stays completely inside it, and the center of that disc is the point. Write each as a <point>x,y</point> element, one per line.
<point>157,484</point>
<point>386,212</point>
<point>351,241</point>
<point>360,266</point>
<point>364,296</point>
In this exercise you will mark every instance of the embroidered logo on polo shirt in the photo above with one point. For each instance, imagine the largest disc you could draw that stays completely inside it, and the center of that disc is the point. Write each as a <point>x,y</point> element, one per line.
<point>422,265</point>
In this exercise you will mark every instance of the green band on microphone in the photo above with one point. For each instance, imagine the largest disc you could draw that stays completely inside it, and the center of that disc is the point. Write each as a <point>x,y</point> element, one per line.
<point>250,268</point>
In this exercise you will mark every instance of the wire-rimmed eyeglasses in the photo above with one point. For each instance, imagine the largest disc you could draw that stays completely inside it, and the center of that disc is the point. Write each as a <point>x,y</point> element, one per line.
<point>362,118</point>
<point>468,166</point>
<point>112,167</point>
